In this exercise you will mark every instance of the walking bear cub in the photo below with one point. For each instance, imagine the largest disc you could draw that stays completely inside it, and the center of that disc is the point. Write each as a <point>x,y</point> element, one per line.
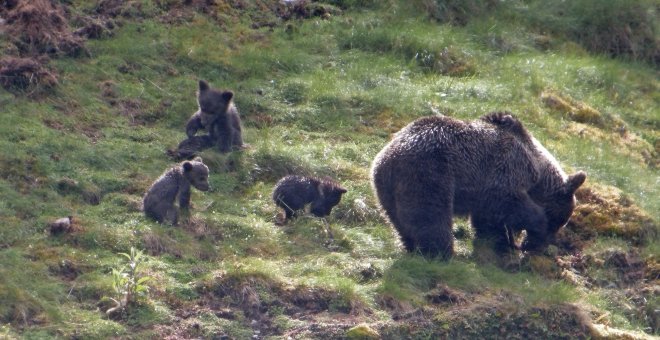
<point>293,192</point>
<point>175,182</point>
<point>491,169</point>
<point>218,115</point>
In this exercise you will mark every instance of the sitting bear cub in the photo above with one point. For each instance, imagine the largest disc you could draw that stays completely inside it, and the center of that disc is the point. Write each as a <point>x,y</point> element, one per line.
<point>491,169</point>
<point>218,115</point>
<point>175,182</point>
<point>293,192</point>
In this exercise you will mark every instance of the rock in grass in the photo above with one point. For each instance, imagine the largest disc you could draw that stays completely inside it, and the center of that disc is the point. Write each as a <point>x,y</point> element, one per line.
<point>61,225</point>
<point>362,332</point>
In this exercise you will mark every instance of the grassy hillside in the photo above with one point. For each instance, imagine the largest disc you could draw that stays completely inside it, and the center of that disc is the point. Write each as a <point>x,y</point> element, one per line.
<point>90,110</point>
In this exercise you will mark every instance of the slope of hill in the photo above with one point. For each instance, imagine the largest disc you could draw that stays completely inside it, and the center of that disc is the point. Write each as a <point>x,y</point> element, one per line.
<point>95,93</point>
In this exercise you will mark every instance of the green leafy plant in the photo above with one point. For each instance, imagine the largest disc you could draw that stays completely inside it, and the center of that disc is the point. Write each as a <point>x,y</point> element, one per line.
<point>127,282</point>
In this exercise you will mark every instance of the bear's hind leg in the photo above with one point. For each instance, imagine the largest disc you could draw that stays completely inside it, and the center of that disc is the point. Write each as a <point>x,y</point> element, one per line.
<point>172,216</point>
<point>163,212</point>
<point>188,148</point>
<point>425,223</point>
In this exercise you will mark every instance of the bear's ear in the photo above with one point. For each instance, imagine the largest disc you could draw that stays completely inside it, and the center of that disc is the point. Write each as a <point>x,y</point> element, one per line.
<point>227,96</point>
<point>187,167</point>
<point>198,159</point>
<point>575,181</point>
<point>203,85</point>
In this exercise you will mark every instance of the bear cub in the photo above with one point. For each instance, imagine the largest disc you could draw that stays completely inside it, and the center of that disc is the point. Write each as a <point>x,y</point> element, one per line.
<point>159,200</point>
<point>293,192</point>
<point>216,114</point>
<point>490,169</point>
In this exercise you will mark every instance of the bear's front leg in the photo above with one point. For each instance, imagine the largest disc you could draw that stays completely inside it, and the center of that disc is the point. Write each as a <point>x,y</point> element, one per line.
<point>526,214</point>
<point>172,216</point>
<point>224,144</point>
<point>194,124</point>
<point>184,197</point>
<point>490,231</point>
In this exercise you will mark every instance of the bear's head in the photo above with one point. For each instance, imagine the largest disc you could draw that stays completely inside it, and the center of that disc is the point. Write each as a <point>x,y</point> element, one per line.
<point>558,206</point>
<point>212,101</point>
<point>329,195</point>
<point>197,173</point>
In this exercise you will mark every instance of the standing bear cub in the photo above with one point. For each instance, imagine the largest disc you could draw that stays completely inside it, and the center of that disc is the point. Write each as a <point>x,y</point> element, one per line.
<point>175,182</point>
<point>293,192</point>
<point>218,115</point>
<point>490,169</point>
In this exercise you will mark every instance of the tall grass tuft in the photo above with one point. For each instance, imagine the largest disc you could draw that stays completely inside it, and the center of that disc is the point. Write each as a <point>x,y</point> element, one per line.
<point>613,27</point>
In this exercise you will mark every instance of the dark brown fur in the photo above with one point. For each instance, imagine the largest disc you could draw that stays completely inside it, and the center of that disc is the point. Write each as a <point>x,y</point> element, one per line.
<point>217,115</point>
<point>292,193</point>
<point>491,169</point>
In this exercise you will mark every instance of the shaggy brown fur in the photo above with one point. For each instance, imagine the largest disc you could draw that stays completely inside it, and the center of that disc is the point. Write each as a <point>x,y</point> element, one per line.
<point>491,169</point>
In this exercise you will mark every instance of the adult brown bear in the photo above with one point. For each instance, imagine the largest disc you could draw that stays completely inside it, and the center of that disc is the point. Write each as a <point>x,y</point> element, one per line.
<point>490,169</point>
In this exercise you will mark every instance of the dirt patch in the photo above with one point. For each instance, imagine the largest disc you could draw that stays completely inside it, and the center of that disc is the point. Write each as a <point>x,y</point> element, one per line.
<point>606,211</point>
<point>627,280</point>
<point>638,302</point>
<point>263,13</point>
<point>575,110</point>
<point>121,8</point>
<point>443,294</point>
<point>26,75</point>
<point>93,27</point>
<point>41,27</point>
<point>259,298</point>
<point>628,267</point>
<point>479,319</point>
<point>499,319</point>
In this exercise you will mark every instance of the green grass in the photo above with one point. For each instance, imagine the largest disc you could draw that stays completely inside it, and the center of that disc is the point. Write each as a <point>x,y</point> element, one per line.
<point>318,97</point>
<point>410,277</point>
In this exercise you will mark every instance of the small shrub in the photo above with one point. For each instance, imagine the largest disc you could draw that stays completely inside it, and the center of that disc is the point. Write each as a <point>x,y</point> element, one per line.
<point>26,75</point>
<point>613,27</point>
<point>128,283</point>
<point>41,27</point>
